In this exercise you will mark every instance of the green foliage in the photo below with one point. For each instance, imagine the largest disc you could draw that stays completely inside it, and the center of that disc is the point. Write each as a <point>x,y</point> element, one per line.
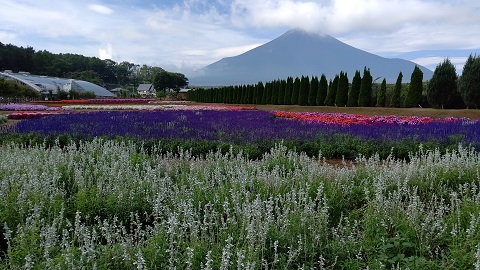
<point>341,95</point>
<point>365,95</point>
<point>381,96</point>
<point>304,91</point>
<point>332,91</point>
<point>288,91</point>
<point>355,91</point>
<point>415,89</point>
<point>296,91</point>
<point>118,205</point>
<point>395,101</point>
<point>165,80</point>
<point>281,92</point>
<point>3,119</point>
<point>469,83</point>
<point>322,91</point>
<point>443,85</point>
<point>12,89</point>
<point>312,94</point>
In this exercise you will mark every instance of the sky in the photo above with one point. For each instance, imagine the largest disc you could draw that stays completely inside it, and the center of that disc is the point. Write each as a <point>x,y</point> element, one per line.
<point>182,36</point>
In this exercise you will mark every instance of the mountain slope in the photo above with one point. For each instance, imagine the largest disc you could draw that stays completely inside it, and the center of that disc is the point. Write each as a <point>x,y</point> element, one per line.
<point>298,53</point>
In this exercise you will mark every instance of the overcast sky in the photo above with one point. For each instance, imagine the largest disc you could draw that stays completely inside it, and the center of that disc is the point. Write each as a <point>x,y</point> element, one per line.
<point>184,35</point>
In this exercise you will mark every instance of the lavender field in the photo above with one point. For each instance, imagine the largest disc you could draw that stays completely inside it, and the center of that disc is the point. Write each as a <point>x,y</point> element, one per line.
<point>259,128</point>
<point>101,202</point>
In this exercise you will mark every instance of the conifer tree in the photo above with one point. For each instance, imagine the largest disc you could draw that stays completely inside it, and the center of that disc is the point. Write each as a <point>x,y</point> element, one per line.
<point>355,91</point>
<point>395,101</point>
<point>322,90</point>
<point>381,94</point>
<point>296,90</point>
<point>268,90</point>
<point>304,89</point>
<point>289,91</point>
<point>312,94</point>
<point>469,83</point>
<point>442,88</point>
<point>365,95</point>
<point>262,92</point>
<point>259,93</point>
<point>415,89</point>
<point>281,92</point>
<point>332,92</point>
<point>341,96</point>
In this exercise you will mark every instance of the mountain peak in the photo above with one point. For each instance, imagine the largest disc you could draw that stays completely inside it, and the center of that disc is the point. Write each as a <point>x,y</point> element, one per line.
<point>296,53</point>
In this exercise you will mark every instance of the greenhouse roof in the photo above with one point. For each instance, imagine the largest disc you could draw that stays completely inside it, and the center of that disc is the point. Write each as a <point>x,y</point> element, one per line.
<point>45,84</point>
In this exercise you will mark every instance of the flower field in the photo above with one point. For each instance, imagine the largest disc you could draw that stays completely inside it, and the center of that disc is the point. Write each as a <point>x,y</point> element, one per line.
<point>106,205</point>
<point>224,187</point>
<point>207,127</point>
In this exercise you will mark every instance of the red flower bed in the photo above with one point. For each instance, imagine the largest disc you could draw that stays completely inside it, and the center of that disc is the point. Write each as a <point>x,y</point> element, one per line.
<point>28,115</point>
<point>352,119</point>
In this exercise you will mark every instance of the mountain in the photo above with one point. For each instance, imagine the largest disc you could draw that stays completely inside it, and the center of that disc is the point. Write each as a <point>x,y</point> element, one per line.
<point>298,53</point>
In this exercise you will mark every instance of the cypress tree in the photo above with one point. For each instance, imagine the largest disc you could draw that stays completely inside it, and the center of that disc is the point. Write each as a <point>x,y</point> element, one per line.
<point>415,89</point>
<point>342,90</point>
<point>312,94</point>
<point>288,91</point>
<point>275,89</point>
<point>332,92</point>
<point>295,92</point>
<point>469,83</point>
<point>304,89</point>
<point>355,91</point>
<point>322,90</point>
<point>381,94</point>
<point>395,101</point>
<point>365,95</point>
<point>260,90</point>
<point>443,85</point>
<point>268,90</point>
<point>281,93</point>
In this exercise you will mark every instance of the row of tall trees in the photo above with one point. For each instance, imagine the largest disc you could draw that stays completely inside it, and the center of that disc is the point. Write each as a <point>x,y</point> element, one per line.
<point>299,91</point>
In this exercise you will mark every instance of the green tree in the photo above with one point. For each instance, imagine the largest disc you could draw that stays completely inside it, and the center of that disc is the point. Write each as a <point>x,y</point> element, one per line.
<point>442,88</point>
<point>304,90</point>
<point>312,94</point>
<point>322,90</point>
<point>341,96</point>
<point>295,92</point>
<point>165,80</point>
<point>288,91</point>
<point>259,92</point>
<point>469,83</point>
<point>332,92</point>
<point>381,94</point>
<point>415,89</point>
<point>365,95</point>
<point>395,101</point>
<point>355,91</point>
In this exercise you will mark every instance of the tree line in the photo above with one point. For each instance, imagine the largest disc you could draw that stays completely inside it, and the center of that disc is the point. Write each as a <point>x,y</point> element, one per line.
<point>444,90</point>
<point>106,73</point>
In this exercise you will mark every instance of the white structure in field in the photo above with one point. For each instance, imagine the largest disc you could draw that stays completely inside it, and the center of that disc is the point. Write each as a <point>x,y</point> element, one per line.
<point>46,85</point>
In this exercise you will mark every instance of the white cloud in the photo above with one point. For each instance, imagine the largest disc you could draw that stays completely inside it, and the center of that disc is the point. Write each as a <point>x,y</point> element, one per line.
<point>106,53</point>
<point>194,32</point>
<point>100,9</point>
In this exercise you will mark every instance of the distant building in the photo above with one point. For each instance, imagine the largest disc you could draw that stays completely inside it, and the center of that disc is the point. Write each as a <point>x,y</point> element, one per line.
<point>183,94</point>
<point>146,89</point>
<point>46,85</point>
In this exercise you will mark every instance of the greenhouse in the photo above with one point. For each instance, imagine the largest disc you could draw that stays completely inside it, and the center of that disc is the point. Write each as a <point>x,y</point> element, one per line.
<point>45,84</point>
